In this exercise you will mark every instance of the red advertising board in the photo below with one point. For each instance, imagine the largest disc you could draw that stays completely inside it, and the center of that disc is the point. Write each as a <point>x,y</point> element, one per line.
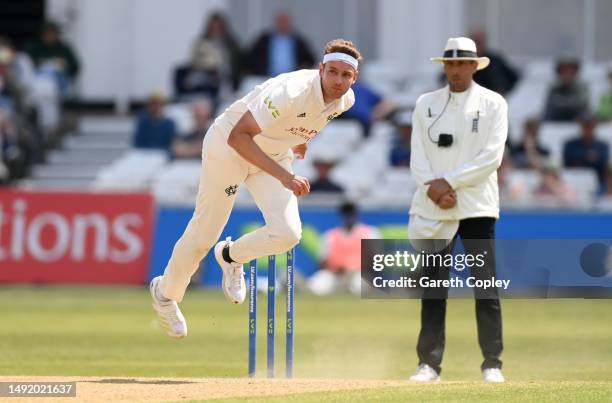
<point>66,237</point>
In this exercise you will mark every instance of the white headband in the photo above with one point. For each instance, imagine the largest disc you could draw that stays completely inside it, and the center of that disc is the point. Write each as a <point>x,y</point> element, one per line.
<point>341,57</point>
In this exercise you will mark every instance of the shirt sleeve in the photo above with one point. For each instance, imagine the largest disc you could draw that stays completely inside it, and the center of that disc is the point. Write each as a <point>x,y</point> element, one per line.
<point>489,158</point>
<point>420,167</point>
<point>270,106</point>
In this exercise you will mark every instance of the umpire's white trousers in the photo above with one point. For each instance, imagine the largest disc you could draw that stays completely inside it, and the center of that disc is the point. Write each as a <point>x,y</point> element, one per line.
<point>222,170</point>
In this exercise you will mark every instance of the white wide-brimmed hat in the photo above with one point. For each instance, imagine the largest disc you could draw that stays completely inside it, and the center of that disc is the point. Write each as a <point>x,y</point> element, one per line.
<point>461,49</point>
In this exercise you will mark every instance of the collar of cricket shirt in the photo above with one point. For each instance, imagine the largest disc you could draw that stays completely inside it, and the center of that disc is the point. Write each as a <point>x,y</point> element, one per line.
<point>467,98</point>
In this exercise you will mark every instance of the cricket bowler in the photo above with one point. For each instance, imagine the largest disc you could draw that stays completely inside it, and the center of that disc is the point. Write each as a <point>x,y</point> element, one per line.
<point>253,143</point>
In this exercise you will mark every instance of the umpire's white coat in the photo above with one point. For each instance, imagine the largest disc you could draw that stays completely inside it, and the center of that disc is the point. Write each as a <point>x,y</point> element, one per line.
<point>478,121</point>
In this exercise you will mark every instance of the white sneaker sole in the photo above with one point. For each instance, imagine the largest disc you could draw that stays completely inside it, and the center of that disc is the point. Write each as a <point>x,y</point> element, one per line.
<point>221,262</point>
<point>498,378</point>
<point>161,320</point>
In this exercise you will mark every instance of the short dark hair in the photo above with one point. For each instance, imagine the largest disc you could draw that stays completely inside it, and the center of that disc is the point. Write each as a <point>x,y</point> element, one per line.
<point>348,208</point>
<point>569,62</point>
<point>343,46</point>
<point>51,26</point>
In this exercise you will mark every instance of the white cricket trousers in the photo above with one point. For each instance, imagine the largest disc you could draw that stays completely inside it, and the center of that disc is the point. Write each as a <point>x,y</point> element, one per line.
<point>222,169</point>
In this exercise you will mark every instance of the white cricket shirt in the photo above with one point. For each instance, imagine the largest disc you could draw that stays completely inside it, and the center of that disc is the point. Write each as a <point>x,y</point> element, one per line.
<point>288,108</point>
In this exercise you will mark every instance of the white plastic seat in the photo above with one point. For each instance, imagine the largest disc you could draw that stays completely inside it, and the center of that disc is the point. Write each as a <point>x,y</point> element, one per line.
<point>247,84</point>
<point>521,184</point>
<point>425,81</point>
<point>553,136</point>
<point>106,124</point>
<point>527,100</point>
<point>582,180</point>
<point>395,188</point>
<point>340,137</point>
<point>305,168</point>
<point>405,99</point>
<point>355,177</point>
<point>381,132</point>
<point>178,182</point>
<point>604,133</point>
<point>348,132</point>
<point>182,117</point>
<point>384,76</point>
<point>134,170</point>
<point>539,69</point>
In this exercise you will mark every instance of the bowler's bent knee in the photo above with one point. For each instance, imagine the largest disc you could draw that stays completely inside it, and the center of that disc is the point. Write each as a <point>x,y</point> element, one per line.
<point>287,237</point>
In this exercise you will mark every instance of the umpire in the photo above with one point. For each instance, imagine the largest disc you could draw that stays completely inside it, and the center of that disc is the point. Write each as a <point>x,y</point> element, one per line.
<point>457,145</point>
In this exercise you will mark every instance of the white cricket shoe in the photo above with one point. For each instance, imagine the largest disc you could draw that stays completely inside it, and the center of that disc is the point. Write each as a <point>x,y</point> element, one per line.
<point>493,375</point>
<point>425,373</point>
<point>168,313</point>
<point>233,284</point>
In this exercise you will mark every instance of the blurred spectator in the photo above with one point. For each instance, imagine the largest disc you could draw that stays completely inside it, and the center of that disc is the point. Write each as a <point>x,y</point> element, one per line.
<point>54,57</point>
<point>511,190</point>
<point>12,90</point>
<point>5,175</point>
<point>202,75</point>
<point>9,93</point>
<point>608,190</point>
<point>568,98</point>
<point>218,32</point>
<point>12,157</point>
<point>19,143</point>
<point>36,99</point>
<point>323,163</point>
<point>499,76</point>
<point>586,151</point>
<point>368,108</point>
<point>529,153</point>
<point>340,260</point>
<point>604,108</point>
<point>190,145</point>
<point>279,51</point>
<point>153,129</point>
<point>502,174</point>
<point>553,187</point>
<point>400,148</point>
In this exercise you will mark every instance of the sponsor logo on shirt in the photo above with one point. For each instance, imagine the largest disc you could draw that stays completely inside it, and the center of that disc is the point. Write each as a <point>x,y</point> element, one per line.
<point>333,115</point>
<point>273,110</point>
<point>302,115</point>
<point>302,132</point>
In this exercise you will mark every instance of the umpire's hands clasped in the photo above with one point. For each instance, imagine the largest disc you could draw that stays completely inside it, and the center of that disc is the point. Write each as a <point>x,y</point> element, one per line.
<point>441,193</point>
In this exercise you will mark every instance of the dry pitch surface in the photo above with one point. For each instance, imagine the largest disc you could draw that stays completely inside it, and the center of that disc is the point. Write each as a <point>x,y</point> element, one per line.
<point>105,389</point>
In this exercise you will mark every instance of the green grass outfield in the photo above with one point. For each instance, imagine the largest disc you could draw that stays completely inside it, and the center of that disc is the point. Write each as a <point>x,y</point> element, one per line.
<point>555,350</point>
